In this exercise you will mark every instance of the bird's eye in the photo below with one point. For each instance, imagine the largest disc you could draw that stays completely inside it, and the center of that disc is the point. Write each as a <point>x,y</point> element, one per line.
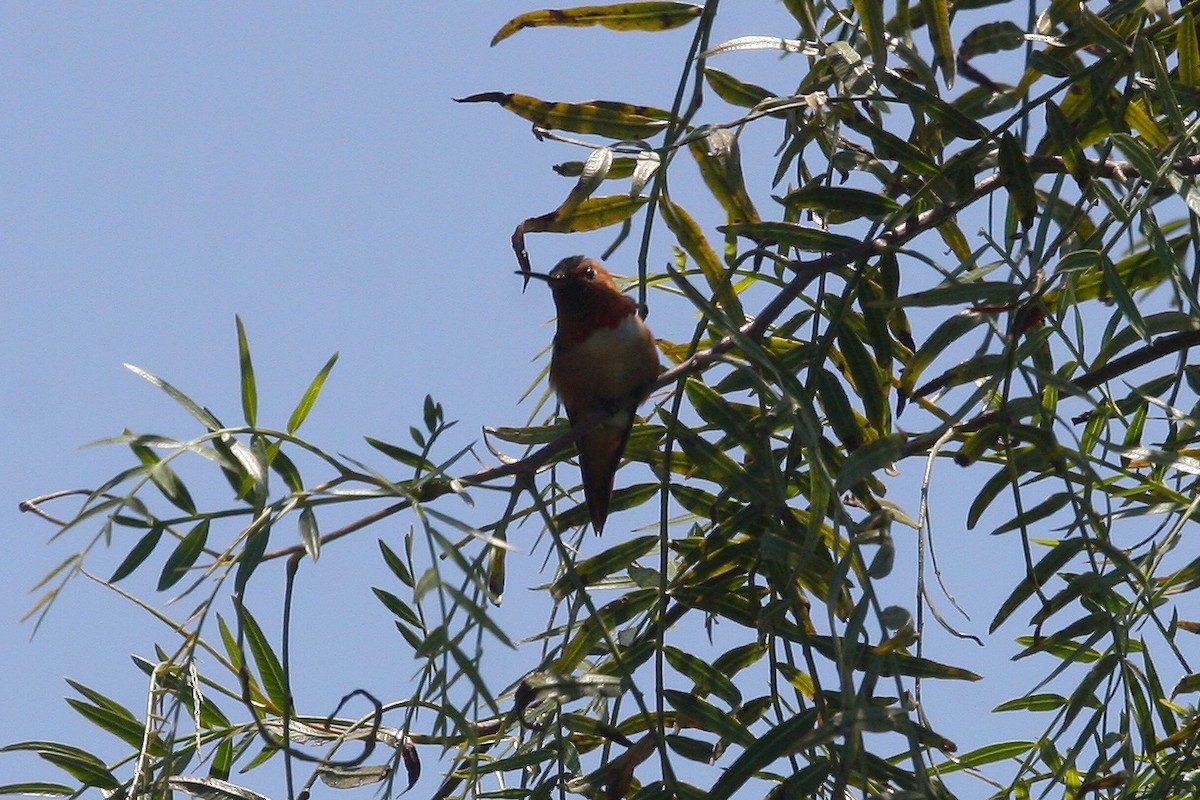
<point>589,273</point>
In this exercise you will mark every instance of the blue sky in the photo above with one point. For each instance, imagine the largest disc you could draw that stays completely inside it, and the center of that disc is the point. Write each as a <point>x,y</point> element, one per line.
<point>167,166</point>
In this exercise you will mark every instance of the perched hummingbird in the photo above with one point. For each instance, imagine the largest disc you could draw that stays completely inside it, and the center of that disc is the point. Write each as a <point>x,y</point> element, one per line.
<point>604,358</point>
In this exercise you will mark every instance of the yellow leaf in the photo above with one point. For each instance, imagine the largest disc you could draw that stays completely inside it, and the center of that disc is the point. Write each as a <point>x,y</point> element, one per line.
<point>618,17</point>
<point>603,117</point>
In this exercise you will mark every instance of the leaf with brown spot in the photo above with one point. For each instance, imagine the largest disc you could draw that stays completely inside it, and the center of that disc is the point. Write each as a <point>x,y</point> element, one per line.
<point>602,117</point>
<point>660,16</point>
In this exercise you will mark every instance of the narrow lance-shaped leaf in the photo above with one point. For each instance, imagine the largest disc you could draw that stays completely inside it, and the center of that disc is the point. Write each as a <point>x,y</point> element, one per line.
<point>937,17</point>
<point>593,213</point>
<point>82,765</point>
<point>603,117</point>
<point>204,415</point>
<point>213,788</point>
<point>269,667</point>
<point>649,16</point>
<point>251,555</point>
<point>708,678</point>
<point>705,716</point>
<point>310,533</point>
<point>864,461</point>
<point>801,237</point>
<point>184,556</point>
<point>868,379</point>
<point>249,387</point>
<point>870,15</point>
<point>840,204</point>
<point>1187,49</point>
<point>163,477</point>
<point>1015,168</point>
<point>734,91</point>
<point>591,570</point>
<point>719,159</point>
<point>36,789</point>
<point>140,551</point>
<point>692,240</point>
<point>310,396</point>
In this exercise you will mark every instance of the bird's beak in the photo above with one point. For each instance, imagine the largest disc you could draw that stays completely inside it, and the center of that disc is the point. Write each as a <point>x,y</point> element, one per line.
<point>539,275</point>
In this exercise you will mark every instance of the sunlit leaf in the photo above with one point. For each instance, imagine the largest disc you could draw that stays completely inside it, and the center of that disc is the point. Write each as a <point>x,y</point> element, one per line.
<point>213,788</point>
<point>937,18</point>
<point>310,396</point>
<point>644,16</point>
<point>602,117</point>
<point>734,91</point>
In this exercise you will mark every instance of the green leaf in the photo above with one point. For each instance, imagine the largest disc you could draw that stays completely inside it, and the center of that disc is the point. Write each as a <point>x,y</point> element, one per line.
<point>839,414</point>
<point>80,764</point>
<point>1015,169</point>
<point>249,389</point>
<point>37,789</point>
<point>705,716</point>
<point>310,396</point>
<point>1001,751</point>
<point>591,570</point>
<point>692,240</point>
<point>184,556</point>
<point>734,91</point>
<point>269,668</point>
<point>534,435</point>
<point>608,618</point>
<point>204,415</point>
<point>868,459</point>
<point>621,167</point>
<point>992,37</point>
<point>937,17</point>
<point>1123,297</point>
<point>800,732</point>
<point>708,678</point>
<point>398,607</point>
<point>112,717</point>
<point>1021,462</point>
<point>1187,49</point>
<point>649,16</point>
<point>800,237</point>
<point>602,117</point>
<point>122,726</point>
<point>867,379</point>
<point>398,453</point>
<point>310,533</point>
<point>140,552</point>
<point>841,204</point>
<point>720,162</point>
<point>870,16</point>
<point>395,564</point>
<point>479,615</point>
<point>593,213</point>
<point>1034,702</point>
<point>285,468</point>
<point>887,145</point>
<point>161,474</point>
<point>251,555</point>
<point>213,788</point>
<point>922,101</point>
<point>733,419</point>
<point>1047,566</point>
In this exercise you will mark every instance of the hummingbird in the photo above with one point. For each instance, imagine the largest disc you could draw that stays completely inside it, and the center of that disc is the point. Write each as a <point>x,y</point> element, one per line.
<point>604,357</point>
